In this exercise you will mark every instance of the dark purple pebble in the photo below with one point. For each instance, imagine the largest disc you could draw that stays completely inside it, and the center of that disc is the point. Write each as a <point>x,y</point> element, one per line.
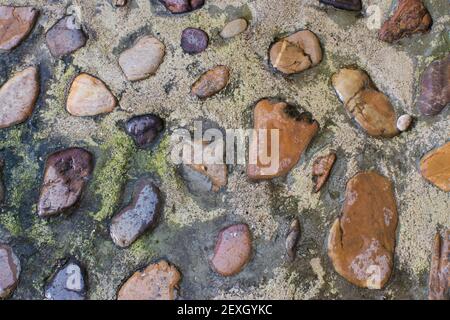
<point>194,40</point>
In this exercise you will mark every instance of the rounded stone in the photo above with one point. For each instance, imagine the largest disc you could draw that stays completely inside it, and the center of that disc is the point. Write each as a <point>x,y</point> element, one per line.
<point>404,122</point>
<point>233,28</point>
<point>67,284</point>
<point>65,37</point>
<point>194,40</point>
<point>144,129</point>
<point>9,271</point>
<point>182,6</point>
<point>15,25</point>
<point>435,167</point>
<point>211,82</point>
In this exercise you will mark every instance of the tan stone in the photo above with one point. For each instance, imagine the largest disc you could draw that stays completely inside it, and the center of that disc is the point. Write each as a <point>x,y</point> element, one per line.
<point>361,242</point>
<point>440,268</point>
<point>233,28</point>
<point>89,96</point>
<point>435,167</point>
<point>15,25</point>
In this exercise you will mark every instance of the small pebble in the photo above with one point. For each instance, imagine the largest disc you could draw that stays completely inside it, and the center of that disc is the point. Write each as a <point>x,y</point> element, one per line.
<point>234,28</point>
<point>182,6</point>
<point>18,97</point>
<point>67,284</point>
<point>159,281</point>
<point>89,96</point>
<point>351,5</point>
<point>15,25</point>
<point>292,239</point>
<point>321,170</point>
<point>65,37</point>
<point>145,129</point>
<point>403,122</point>
<point>194,40</point>
<point>233,250</point>
<point>211,82</point>
<point>142,214</point>
<point>120,3</point>
<point>9,271</point>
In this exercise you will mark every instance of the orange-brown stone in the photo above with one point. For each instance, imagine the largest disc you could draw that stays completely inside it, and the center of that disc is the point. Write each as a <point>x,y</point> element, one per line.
<point>15,24</point>
<point>321,170</point>
<point>440,268</point>
<point>435,167</point>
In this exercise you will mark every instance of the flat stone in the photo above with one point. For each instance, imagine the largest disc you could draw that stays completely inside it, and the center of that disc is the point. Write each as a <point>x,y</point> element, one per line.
<point>145,129</point>
<point>89,96</point>
<point>65,37</point>
<point>194,40</point>
<point>435,87</point>
<point>159,281</point>
<point>296,130</point>
<point>66,174</point>
<point>18,97</point>
<point>351,5</point>
<point>440,268</point>
<point>9,271</point>
<point>182,6</point>
<point>362,241</point>
<point>143,59</point>
<point>370,108</point>
<point>404,122</point>
<point>15,25</point>
<point>67,284</point>
<point>211,82</point>
<point>233,250</point>
<point>139,216</point>
<point>296,53</point>
<point>410,17</point>
<point>233,28</point>
<point>292,239</point>
<point>435,167</point>
<point>2,187</point>
<point>321,170</point>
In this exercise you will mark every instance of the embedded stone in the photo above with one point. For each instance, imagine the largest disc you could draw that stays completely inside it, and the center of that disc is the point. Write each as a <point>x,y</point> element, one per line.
<point>66,173</point>
<point>120,3</point>
<point>410,17</point>
<point>18,97</point>
<point>435,87</point>
<point>2,186</point>
<point>233,28</point>
<point>145,129</point>
<point>182,6</point>
<point>361,242</point>
<point>351,5</point>
<point>435,167</point>
<point>67,284</point>
<point>370,108</point>
<point>158,281</point>
<point>141,215</point>
<point>143,59</point>
<point>65,37</point>
<point>9,271</point>
<point>233,250</point>
<point>194,40</point>
<point>404,122</point>
<point>321,170</point>
<point>211,82</point>
<point>440,268</point>
<point>292,239</point>
<point>16,24</point>
<point>271,157</point>
<point>89,96</point>
<point>296,53</point>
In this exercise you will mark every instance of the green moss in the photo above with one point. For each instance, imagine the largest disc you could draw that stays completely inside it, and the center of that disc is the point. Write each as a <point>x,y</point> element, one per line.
<point>13,138</point>
<point>41,232</point>
<point>11,222</point>
<point>111,174</point>
<point>23,176</point>
<point>157,160</point>
<point>141,249</point>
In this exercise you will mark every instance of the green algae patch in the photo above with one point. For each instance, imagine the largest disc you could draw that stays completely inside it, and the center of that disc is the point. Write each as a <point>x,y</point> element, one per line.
<point>112,172</point>
<point>41,232</point>
<point>156,161</point>
<point>13,138</point>
<point>11,222</point>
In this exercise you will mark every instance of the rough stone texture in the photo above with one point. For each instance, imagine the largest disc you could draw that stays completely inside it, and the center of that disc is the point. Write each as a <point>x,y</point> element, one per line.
<point>194,40</point>
<point>211,82</point>
<point>352,5</point>
<point>89,96</point>
<point>18,97</point>
<point>296,53</point>
<point>295,130</point>
<point>370,108</point>
<point>66,173</point>
<point>361,242</point>
<point>67,284</point>
<point>182,6</point>
<point>9,271</point>
<point>440,268</point>
<point>145,129</point>
<point>65,37</point>
<point>15,25</point>
<point>435,87</point>
<point>292,239</point>
<point>233,250</point>
<point>411,16</point>
<point>435,167</point>
<point>159,281</point>
<point>321,170</point>
<point>141,215</point>
<point>143,59</point>
<point>233,28</point>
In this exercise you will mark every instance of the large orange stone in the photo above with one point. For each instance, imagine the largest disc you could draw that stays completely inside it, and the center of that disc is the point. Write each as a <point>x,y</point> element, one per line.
<point>435,167</point>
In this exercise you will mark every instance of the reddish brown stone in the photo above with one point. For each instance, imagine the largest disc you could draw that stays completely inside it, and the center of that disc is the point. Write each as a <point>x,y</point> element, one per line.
<point>233,250</point>
<point>411,16</point>
<point>65,37</point>
<point>66,173</point>
<point>439,271</point>
<point>362,241</point>
<point>159,281</point>
<point>15,24</point>
<point>182,6</point>
<point>321,170</point>
<point>292,239</point>
<point>296,130</point>
<point>435,167</point>
<point>211,82</point>
<point>9,271</point>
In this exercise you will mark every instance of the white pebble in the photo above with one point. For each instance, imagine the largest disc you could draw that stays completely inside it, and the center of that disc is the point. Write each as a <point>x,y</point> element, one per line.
<point>233,28</point>
<point>404,122</point>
